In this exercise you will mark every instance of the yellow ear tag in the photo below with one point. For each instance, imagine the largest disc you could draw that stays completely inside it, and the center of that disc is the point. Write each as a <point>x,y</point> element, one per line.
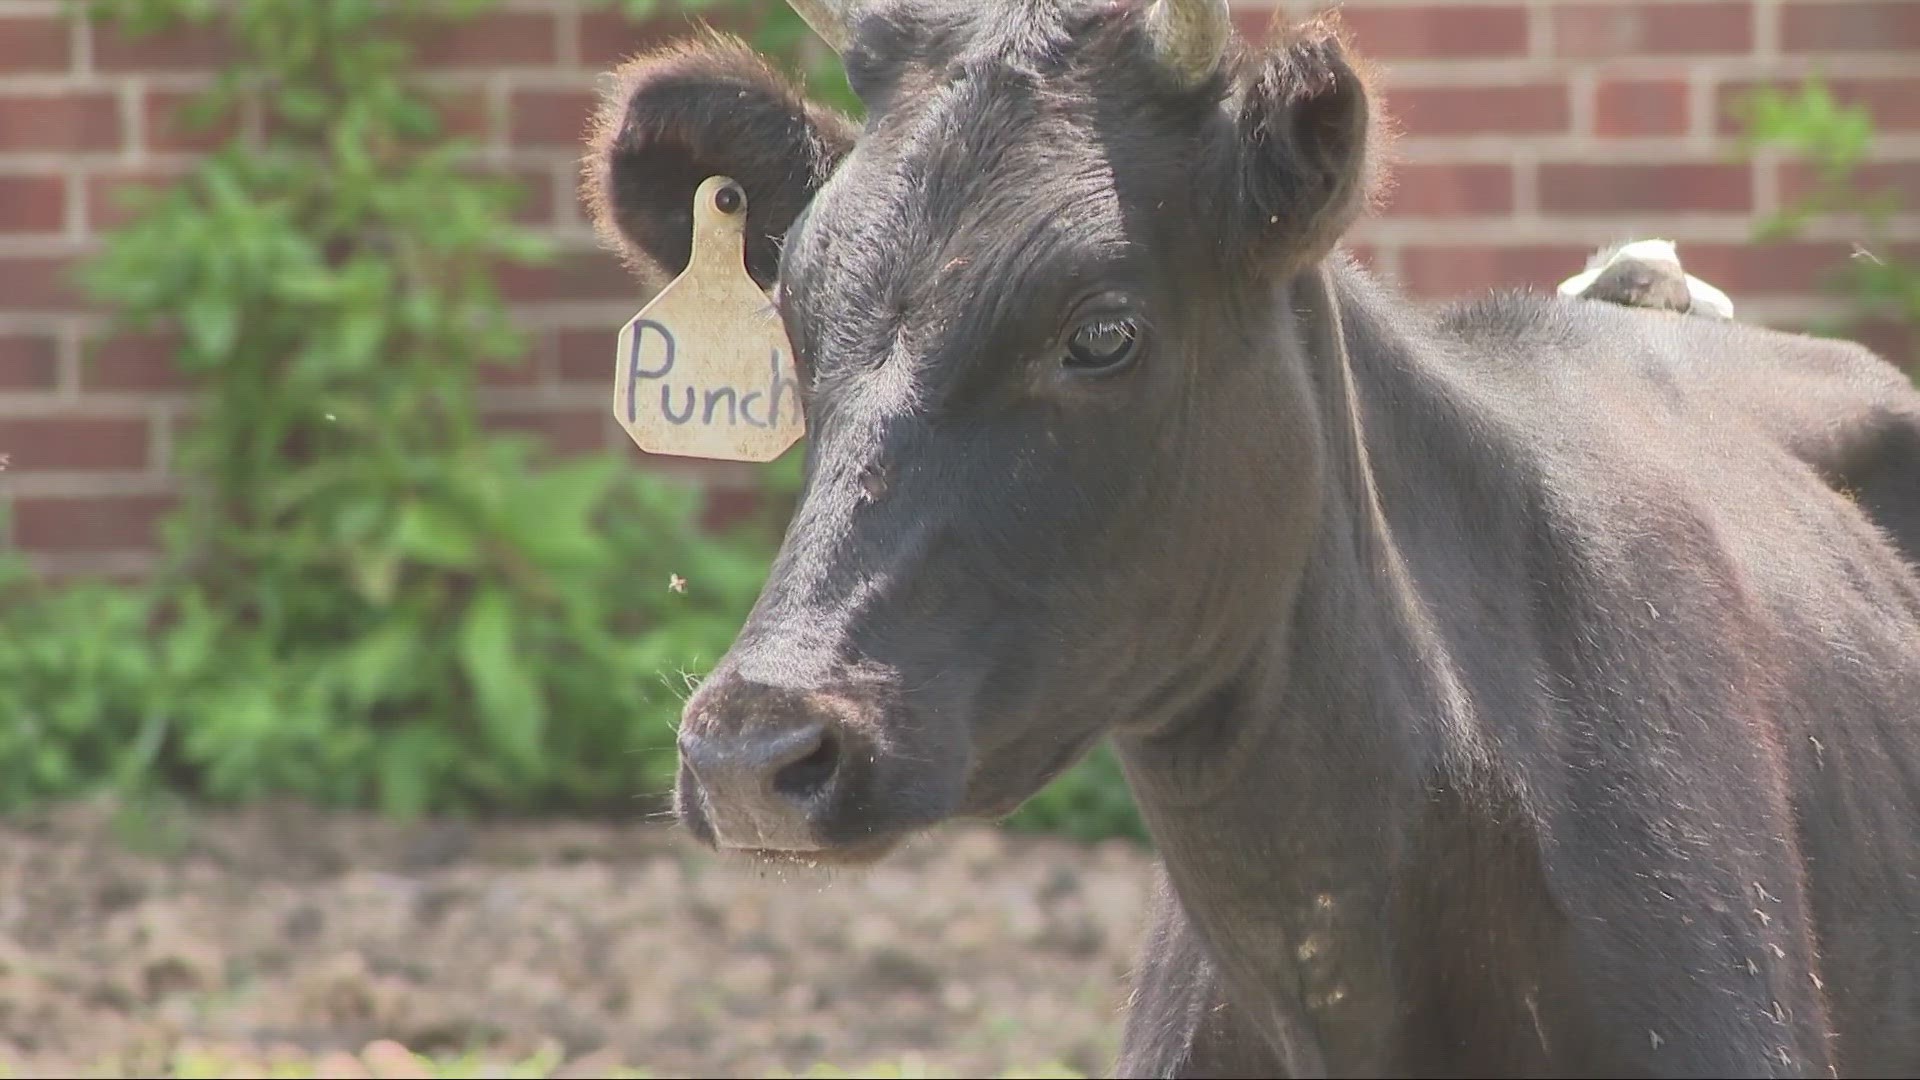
<point>705,369</point>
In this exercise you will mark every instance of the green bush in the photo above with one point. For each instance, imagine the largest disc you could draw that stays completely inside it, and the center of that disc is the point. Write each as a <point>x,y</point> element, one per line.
<point>1835,140</point>
<point>367,598</point>
<point>81,687</point>
<point>1089,802</point>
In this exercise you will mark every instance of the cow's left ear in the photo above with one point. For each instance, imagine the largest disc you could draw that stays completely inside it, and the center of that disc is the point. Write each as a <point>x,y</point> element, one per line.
<point>705,108</point>
<point>1306,129</point>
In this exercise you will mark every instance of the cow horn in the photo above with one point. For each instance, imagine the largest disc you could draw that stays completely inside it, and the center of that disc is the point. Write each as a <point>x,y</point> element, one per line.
<point>1189,36</point>
<point>828,19</point>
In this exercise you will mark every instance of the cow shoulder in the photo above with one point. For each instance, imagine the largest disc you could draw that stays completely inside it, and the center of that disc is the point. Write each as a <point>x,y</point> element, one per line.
<point>1836,406</point>
<point>1851,416</point>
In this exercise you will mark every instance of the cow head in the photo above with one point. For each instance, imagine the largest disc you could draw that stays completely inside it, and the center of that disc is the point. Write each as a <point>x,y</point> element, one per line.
<point>1062,461</point>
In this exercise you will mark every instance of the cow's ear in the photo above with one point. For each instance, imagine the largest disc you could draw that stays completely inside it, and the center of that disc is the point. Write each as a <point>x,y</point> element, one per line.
<point>1307,130</point>
<point>693,110</point>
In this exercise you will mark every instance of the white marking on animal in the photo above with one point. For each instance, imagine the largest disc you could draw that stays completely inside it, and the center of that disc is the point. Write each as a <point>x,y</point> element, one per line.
<point>1704,296</point>
<point>1533,1010</point>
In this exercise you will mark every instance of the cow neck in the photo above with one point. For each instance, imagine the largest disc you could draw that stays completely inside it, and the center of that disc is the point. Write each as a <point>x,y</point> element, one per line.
<point>1280,812</point>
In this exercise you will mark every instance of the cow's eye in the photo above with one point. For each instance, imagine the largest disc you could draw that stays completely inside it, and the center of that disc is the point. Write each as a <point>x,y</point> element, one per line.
<point>1103,345</point>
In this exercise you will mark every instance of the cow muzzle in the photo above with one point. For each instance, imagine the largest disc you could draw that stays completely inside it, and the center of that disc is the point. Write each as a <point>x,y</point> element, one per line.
<point>780,772</point>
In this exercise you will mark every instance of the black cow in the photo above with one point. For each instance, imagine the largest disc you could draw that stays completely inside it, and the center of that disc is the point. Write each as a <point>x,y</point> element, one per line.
<point>1507,689</point>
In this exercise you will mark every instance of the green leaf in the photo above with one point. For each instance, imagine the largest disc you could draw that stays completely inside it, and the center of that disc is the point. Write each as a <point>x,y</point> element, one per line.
<point>512,711</point>
<point>434,534</point>
<point>358,337</point>
<point>549,514</point>
<point>376,575</point>
<point>211,322</point>
<point>417,119</point>
<point>191,645</point>
<point>407,767</point>
<point>380,664</point>
<point>526,247</point>
<point>302,104</point>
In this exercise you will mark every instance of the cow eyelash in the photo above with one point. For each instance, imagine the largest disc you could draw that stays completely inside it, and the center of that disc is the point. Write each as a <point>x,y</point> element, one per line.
<point>1104,337</point>
<point>1103,345</point>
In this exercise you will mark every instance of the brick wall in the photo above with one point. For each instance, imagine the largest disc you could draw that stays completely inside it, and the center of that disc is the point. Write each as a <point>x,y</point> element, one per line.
<point>1533,130</point>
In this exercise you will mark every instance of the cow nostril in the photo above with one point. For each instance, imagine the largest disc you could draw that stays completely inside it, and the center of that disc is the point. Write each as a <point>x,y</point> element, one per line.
<point>805,778</point>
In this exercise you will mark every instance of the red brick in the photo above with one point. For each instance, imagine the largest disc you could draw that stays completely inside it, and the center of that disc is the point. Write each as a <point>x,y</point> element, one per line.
<point>537,199</point>
<point>29,362</point>
<point>1451,189</point>
<point>566,430</point>
<point>57,443</point>
<point>69,120</point>
<point>130,362</point>
<point>35,43</point>
<point>1630,107</point>
<point>1653,29</point>
<point>1896,340</point>
<point>1537,108</point>
<point>1471,269</point>
<point>464,113</point>
<point>33,204</point>
<point>586,356</point>
<point>88,523</point>
<point>607,37</point>
<point>168,126</point>
<point>534,368</point>
<point>106,192</point>
<point>529,368</point>
<point>1587,188</point>
<point>555,118</point>
<point>1893,101</point>
<point>184,47</point>
<point>583,276</point>
<point>489,39</point>
<point>725,508</point>
<point>710,475</point>
<point>1441,31</point>
<point>105,568</point>
<point>39,283</point>
<point>1870,26</point>
<point>1776,269</point>
<point>461,112</point>
<point>1892,340</point>
<point>524,373</point>
<point>1902,178</point>
<point>536,192</point>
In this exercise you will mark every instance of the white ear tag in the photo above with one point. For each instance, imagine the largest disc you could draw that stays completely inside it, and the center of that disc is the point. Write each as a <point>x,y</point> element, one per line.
<point>705,369</point>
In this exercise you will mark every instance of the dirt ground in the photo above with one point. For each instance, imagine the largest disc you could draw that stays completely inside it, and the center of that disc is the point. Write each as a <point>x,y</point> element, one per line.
<point>270,935</point>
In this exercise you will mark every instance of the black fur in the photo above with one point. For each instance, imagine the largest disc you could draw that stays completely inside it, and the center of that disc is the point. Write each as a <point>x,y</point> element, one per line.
<point>698,109</point>
<point>1526,688</point>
